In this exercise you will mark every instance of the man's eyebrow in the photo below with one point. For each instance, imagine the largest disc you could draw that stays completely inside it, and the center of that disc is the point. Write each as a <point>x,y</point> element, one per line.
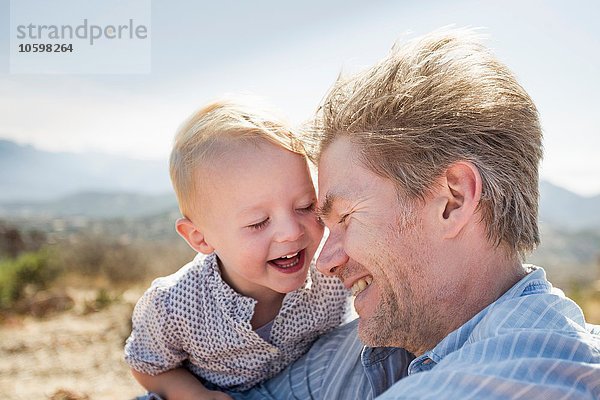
<point>324,210</point>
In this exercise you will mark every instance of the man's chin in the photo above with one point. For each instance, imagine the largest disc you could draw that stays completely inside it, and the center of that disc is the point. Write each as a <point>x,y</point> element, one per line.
<point>370,334</point>
<point>382,326</point>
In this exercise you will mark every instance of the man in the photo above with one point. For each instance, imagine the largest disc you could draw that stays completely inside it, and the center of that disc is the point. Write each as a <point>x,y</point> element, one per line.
<point>428,183</point>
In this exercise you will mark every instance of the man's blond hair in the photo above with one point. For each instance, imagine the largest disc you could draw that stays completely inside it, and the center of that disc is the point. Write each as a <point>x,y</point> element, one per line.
<point>210,132</point>
<point>437,100</point>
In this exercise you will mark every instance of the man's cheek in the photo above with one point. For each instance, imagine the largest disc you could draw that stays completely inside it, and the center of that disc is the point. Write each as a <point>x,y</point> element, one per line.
<point>355,245</point>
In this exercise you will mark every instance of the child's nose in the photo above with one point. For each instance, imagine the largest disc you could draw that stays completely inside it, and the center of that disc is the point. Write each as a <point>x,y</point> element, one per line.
<point>289,230</point>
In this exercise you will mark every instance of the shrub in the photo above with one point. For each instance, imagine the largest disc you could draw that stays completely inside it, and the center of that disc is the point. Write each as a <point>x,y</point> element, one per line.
<point>91,257</point>
<point>34,269</point>
<point>14,242</point>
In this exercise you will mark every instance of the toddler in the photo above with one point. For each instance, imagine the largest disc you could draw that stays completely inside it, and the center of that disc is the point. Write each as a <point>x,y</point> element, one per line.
<point>251,302</point>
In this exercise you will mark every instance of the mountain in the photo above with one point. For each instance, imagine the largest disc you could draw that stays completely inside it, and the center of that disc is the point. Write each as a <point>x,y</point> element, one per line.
<point>562,208</point>
<point>40,183</point>
<point>28,174</point>
<point>568,255</point>
<point>95,205</point>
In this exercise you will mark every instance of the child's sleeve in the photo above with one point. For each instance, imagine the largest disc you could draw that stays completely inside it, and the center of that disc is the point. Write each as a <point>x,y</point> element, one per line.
<point>154,346</point>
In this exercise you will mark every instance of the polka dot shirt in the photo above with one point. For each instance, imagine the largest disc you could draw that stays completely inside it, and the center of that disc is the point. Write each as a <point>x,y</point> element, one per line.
<point>194,319</point>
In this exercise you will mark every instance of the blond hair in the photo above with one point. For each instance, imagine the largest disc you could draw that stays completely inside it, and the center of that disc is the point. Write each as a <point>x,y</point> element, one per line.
<point>437,100</point>
<point>213,129</point>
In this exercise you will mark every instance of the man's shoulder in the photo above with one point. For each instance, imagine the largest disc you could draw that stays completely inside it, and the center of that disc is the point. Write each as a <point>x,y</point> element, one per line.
<point>544,325</point>
<point>535,312</point>
<point>531,307</point>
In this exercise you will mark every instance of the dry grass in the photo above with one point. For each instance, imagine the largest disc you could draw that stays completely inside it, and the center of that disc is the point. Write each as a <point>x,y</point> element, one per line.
<point>71,355</point>
<point>587,296</point>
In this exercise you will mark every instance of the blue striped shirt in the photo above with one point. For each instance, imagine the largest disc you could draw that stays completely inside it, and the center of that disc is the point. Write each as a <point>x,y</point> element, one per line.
<point>530,343</point>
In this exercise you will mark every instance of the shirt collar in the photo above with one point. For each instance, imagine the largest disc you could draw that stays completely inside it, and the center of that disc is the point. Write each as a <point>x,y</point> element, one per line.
<point>239,307</point>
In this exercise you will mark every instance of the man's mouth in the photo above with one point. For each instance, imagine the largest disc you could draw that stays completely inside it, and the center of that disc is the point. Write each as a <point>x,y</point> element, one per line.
<point>290,262</point>
<point>361,284</point>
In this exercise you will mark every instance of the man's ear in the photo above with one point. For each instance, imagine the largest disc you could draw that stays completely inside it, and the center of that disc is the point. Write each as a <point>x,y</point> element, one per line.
<point>193,236</point>
<point>461,193</point>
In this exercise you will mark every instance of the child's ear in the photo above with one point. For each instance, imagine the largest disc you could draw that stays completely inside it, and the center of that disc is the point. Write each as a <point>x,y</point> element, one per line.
<point>193,236</point>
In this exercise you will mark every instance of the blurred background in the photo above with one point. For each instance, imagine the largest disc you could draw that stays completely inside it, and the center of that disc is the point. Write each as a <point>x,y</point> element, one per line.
<point>86,208</point>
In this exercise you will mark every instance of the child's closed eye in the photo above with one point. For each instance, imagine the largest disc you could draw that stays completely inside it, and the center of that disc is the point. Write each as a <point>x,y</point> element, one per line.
<point>259,225</point>
<point>308,208</point>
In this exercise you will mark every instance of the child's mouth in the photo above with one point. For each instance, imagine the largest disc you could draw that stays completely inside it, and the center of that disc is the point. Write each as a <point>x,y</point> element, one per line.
<point>289,263</point>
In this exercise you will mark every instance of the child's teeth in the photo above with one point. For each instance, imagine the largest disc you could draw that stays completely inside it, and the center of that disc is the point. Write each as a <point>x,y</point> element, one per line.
<point>287,261</point>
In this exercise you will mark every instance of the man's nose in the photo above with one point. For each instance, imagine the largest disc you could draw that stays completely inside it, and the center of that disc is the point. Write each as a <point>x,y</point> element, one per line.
<point>289,230</point>
<point>332,256</point>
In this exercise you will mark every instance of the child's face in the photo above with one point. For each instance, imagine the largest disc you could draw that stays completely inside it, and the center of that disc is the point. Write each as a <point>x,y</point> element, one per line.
<point>260,218</point>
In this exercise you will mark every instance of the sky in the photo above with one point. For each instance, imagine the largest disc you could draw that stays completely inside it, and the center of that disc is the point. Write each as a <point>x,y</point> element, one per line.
<point>290,53</point>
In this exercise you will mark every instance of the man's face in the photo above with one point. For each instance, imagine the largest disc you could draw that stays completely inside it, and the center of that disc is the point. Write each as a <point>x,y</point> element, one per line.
<point>383,250</point>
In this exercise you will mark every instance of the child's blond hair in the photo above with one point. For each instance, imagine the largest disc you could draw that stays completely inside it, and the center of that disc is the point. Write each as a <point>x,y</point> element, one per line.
<point>208,133</point>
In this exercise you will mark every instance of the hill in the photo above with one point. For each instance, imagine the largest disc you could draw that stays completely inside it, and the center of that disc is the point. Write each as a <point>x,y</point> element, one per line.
<point>562,208</point>
<point>40,183</point>
<point>28,174</point>
<point>94,205</point>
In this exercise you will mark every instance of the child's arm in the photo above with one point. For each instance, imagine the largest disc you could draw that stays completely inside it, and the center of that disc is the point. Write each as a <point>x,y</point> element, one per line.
<point>177,384</point>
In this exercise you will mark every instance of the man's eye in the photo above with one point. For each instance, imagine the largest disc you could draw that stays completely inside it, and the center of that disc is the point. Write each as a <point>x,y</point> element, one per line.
<point>259,225</point>
<point>343,218</point>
